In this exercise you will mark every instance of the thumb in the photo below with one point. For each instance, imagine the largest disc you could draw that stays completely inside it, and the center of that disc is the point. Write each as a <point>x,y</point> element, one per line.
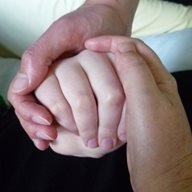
<point>37,58</point>
<point>132,68</point>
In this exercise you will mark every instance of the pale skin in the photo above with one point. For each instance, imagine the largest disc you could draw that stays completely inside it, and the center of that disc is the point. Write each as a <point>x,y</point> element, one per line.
<point>159,140</point>
<point>97,17</point>
<point>83,93</point>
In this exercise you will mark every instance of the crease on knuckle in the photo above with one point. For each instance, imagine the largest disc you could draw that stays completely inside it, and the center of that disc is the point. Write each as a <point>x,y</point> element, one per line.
<point>83,102</point>
<point>114,98</point>
<point>57,109</point>
<point>28,54</point>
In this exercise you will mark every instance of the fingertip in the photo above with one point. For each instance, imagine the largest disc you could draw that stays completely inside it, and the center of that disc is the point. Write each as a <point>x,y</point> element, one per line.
<point>91,44</point>
<point>92,143</point>
<point>41,120</point>
<point>45,136</point>
<point>102,43</point>
<point>107,143</point>
<point>41,144</point>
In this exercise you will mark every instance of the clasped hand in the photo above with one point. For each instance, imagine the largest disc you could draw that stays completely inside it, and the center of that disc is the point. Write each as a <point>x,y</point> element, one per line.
<point>124,94</point>
<point>86,98</point>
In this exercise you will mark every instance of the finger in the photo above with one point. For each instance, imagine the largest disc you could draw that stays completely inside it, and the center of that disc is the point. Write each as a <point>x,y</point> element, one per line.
<point>109,95</point>
<point>118,43</point>
<point>55,101</point>
<point>28,108</point>
<point>38,136</point>
<point>33,114</point>
<point>136,78</point>
<point>164,80</point>
<point>70,144</point>
<point>42,54</point>
<point>76,89</point>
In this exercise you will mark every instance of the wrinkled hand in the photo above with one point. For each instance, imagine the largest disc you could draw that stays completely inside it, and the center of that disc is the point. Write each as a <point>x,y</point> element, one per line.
<point>85,96</point>
<point>65,35</point>
<point>159,140</point>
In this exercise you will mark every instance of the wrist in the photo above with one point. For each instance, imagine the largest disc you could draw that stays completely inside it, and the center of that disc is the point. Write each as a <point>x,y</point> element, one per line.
<point>124,9</point>
<point>177,177</point>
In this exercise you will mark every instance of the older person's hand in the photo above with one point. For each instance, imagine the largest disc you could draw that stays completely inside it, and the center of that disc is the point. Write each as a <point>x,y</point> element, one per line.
<point>159,140</point>
<point>67,34</point>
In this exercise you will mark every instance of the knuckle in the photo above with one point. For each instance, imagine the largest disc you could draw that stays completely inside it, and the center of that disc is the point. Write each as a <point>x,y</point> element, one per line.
<point>114,97</point>
<point>86,133</point>
<point>28,54</point>
<point>127,46</point>
<point>57,109</point>
<point>84,102</point>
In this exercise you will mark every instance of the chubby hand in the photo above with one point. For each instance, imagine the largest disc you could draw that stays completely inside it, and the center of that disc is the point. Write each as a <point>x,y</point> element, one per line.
<point>86,99</point>
<point>61,37</point>
<point>159,140</point>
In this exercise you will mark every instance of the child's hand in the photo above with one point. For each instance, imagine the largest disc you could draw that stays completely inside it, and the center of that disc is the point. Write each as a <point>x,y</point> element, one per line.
<point>85,96</point>
<point>67,143</point>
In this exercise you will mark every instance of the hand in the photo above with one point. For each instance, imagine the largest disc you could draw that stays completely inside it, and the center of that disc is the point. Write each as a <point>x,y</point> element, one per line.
<point>159,140</point>
<point>63,36</point>
<point>85,96</point>
<point>68,143</point>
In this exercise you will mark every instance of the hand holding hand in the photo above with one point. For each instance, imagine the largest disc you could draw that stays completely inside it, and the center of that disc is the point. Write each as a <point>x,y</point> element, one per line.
<point>159,140</point>
<point>63,36</point>
<point>84,95</point>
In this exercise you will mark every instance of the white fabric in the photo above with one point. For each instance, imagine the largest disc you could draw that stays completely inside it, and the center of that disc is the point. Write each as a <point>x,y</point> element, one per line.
<point>174,49</point>
<point>23,21</point>
<point>156,16</point>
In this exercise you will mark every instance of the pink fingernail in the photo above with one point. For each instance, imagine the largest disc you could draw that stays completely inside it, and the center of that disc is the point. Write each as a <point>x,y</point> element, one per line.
<point>43,135</point>
<point>92,143</point>
<point>39,145</point>
<point>40,120</point>
<point>107,144</point>
<point>20,83</point>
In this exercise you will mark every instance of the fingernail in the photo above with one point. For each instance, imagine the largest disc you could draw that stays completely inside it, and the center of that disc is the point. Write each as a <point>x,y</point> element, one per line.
<point>107,144</point>
<point>39,144</point>
<point>92,143</point>
<point>40,120</point>
<point>43,135</point>
<point>20,83</point>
